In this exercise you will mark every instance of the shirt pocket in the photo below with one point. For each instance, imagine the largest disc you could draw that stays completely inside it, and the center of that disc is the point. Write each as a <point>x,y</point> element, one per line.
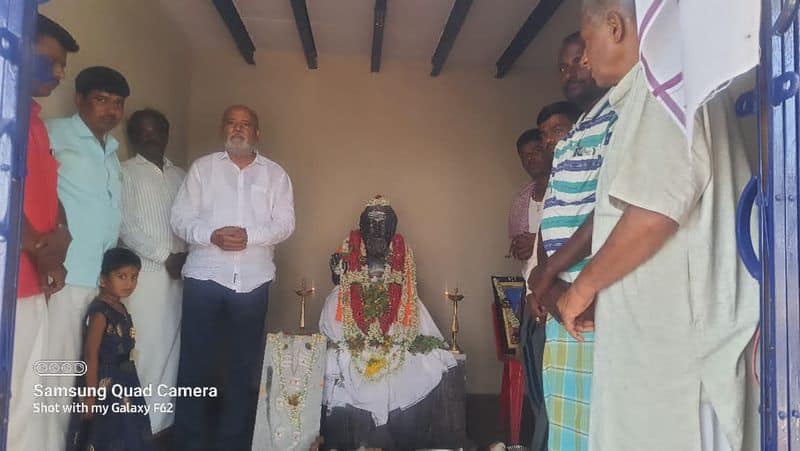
<point>261,202</point>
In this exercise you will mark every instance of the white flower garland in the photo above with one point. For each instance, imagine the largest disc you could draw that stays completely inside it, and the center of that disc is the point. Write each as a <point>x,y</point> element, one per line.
<point>293,401</point>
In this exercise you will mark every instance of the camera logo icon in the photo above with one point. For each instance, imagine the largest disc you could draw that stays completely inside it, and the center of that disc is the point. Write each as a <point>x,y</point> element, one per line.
<point>60,368</point>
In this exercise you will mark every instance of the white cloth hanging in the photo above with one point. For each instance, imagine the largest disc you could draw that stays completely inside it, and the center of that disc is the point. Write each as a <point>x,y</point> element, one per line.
<point>691,48</point>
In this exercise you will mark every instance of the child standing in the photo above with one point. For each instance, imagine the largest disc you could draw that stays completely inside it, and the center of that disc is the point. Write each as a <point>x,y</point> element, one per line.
<point>109,336</point>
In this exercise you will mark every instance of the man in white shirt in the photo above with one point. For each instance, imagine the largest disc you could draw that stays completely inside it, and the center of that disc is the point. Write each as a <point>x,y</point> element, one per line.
<point>232,209</point>
<point>149,185</point>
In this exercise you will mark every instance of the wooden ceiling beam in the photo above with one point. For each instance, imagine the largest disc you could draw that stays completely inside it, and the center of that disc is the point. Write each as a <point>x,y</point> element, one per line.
<point>378,25</point>
<point>532,26</point>
<point>304,30</point>
<point>227,10</point>
<point>458,15</point>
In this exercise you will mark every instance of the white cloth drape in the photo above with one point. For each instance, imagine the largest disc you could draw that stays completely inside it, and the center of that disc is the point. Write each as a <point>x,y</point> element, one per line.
<point>407,386</point>
<point>298,368</point>
<point>690,48</point>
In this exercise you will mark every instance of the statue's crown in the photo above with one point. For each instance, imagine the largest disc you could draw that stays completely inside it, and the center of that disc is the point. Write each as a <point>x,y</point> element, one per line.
<point>378,201</point>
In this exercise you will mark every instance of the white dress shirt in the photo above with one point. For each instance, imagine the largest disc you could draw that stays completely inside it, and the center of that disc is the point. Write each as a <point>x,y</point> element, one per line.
<point>216,194</point>
<point>147,196</point>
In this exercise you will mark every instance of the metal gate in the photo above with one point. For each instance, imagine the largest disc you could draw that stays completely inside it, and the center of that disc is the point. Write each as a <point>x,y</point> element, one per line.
<point>775,189</point>
<point>16,26</point>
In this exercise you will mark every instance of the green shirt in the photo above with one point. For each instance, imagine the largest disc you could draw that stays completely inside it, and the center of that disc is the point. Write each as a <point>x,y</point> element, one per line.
<point>89,183</point>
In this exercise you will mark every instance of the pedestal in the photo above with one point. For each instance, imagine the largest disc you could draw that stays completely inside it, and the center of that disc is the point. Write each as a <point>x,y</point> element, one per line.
<point>438,421</point>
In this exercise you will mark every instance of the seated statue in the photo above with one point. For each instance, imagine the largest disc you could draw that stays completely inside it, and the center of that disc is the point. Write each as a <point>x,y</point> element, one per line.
<point>386,354</point>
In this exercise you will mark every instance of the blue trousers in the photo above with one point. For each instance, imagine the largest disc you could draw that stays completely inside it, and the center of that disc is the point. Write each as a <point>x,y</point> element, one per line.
<point>532,338</point>
<point>222,345</point>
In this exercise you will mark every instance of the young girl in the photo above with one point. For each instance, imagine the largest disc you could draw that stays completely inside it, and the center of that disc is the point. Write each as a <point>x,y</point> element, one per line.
<point>116,419</point>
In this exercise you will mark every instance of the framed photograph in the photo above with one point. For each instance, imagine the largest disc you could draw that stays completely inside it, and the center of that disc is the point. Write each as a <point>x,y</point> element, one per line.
<point>509,296</point>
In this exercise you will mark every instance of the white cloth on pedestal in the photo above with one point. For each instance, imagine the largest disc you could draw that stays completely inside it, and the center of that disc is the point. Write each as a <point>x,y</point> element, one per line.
<point>155,308</point>
<point>290,393</point>
<point>408,385</point>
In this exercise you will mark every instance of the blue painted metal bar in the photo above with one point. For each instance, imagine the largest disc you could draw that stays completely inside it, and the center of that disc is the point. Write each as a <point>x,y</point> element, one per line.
<point>17,18</point>
<point>744,242</point>
<point>779,112</point>
<point>786,17</point>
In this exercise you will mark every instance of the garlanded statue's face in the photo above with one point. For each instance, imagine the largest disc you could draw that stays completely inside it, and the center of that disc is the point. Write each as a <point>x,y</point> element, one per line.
<point>378,225</point>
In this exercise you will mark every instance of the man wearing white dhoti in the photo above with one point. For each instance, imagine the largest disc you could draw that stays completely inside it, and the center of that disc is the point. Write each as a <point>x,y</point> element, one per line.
<point>89,188</point>
<point>44,243</point>
<point>149,185</point>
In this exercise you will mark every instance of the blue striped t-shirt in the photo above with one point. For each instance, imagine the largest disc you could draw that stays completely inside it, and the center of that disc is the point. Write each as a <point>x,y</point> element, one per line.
<point>571,192</point>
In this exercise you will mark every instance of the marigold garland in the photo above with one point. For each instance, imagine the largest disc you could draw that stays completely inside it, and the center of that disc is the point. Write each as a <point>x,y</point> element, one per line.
<point>379,318</point>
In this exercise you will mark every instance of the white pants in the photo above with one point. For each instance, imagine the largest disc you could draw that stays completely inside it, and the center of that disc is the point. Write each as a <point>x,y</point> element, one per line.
<point>26,430</point>
<point>155,308</point>
<point>66,311</point>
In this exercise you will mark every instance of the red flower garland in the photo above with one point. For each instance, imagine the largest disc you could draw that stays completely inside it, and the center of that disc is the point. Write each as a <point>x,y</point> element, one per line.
<point>354,264</point>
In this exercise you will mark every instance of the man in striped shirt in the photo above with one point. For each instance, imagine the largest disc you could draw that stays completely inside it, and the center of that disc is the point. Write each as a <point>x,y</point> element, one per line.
<point>150,183</point>
<point>566,240</point>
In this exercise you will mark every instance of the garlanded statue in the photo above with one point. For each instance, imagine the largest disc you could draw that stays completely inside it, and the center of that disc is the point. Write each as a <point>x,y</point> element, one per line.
<point>386,351</point>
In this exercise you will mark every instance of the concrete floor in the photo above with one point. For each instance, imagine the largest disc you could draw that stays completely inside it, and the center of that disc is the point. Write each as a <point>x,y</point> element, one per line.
<point>483,427</point>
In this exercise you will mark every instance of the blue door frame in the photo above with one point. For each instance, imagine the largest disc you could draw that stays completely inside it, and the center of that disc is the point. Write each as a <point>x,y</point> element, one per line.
<point>777,193</point>
<point>16,26</point>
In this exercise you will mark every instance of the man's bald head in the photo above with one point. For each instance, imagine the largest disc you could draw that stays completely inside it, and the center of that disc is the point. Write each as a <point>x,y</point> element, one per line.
<point>597,7</point>
<point>612,46</point>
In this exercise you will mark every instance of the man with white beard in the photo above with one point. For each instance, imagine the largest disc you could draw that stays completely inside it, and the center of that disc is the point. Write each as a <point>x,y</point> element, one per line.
<point>232,209</point>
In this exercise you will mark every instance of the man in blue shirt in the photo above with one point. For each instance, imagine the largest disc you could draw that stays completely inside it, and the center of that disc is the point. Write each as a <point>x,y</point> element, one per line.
<point>89,187</point>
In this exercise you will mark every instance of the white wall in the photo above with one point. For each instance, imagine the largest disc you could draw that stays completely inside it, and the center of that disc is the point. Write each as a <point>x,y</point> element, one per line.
<point>441,149</point>
<point>134,37</point>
